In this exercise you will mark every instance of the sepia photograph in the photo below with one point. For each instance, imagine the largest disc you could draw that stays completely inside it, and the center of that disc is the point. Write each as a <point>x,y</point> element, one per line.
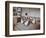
<point>26,18</point>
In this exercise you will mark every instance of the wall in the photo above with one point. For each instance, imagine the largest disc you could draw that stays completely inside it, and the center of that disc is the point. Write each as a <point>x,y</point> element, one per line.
<point>2,19</point>
<point>34,12</point>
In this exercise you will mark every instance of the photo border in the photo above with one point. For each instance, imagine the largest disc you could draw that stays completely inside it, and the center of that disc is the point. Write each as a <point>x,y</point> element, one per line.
<point>7,18</point>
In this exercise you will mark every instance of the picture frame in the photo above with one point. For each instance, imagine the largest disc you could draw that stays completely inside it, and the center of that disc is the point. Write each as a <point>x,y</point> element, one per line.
<point>16,11</point>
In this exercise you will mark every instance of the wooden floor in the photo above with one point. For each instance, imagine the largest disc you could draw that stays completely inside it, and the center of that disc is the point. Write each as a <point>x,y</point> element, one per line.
<point>20,26</point>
